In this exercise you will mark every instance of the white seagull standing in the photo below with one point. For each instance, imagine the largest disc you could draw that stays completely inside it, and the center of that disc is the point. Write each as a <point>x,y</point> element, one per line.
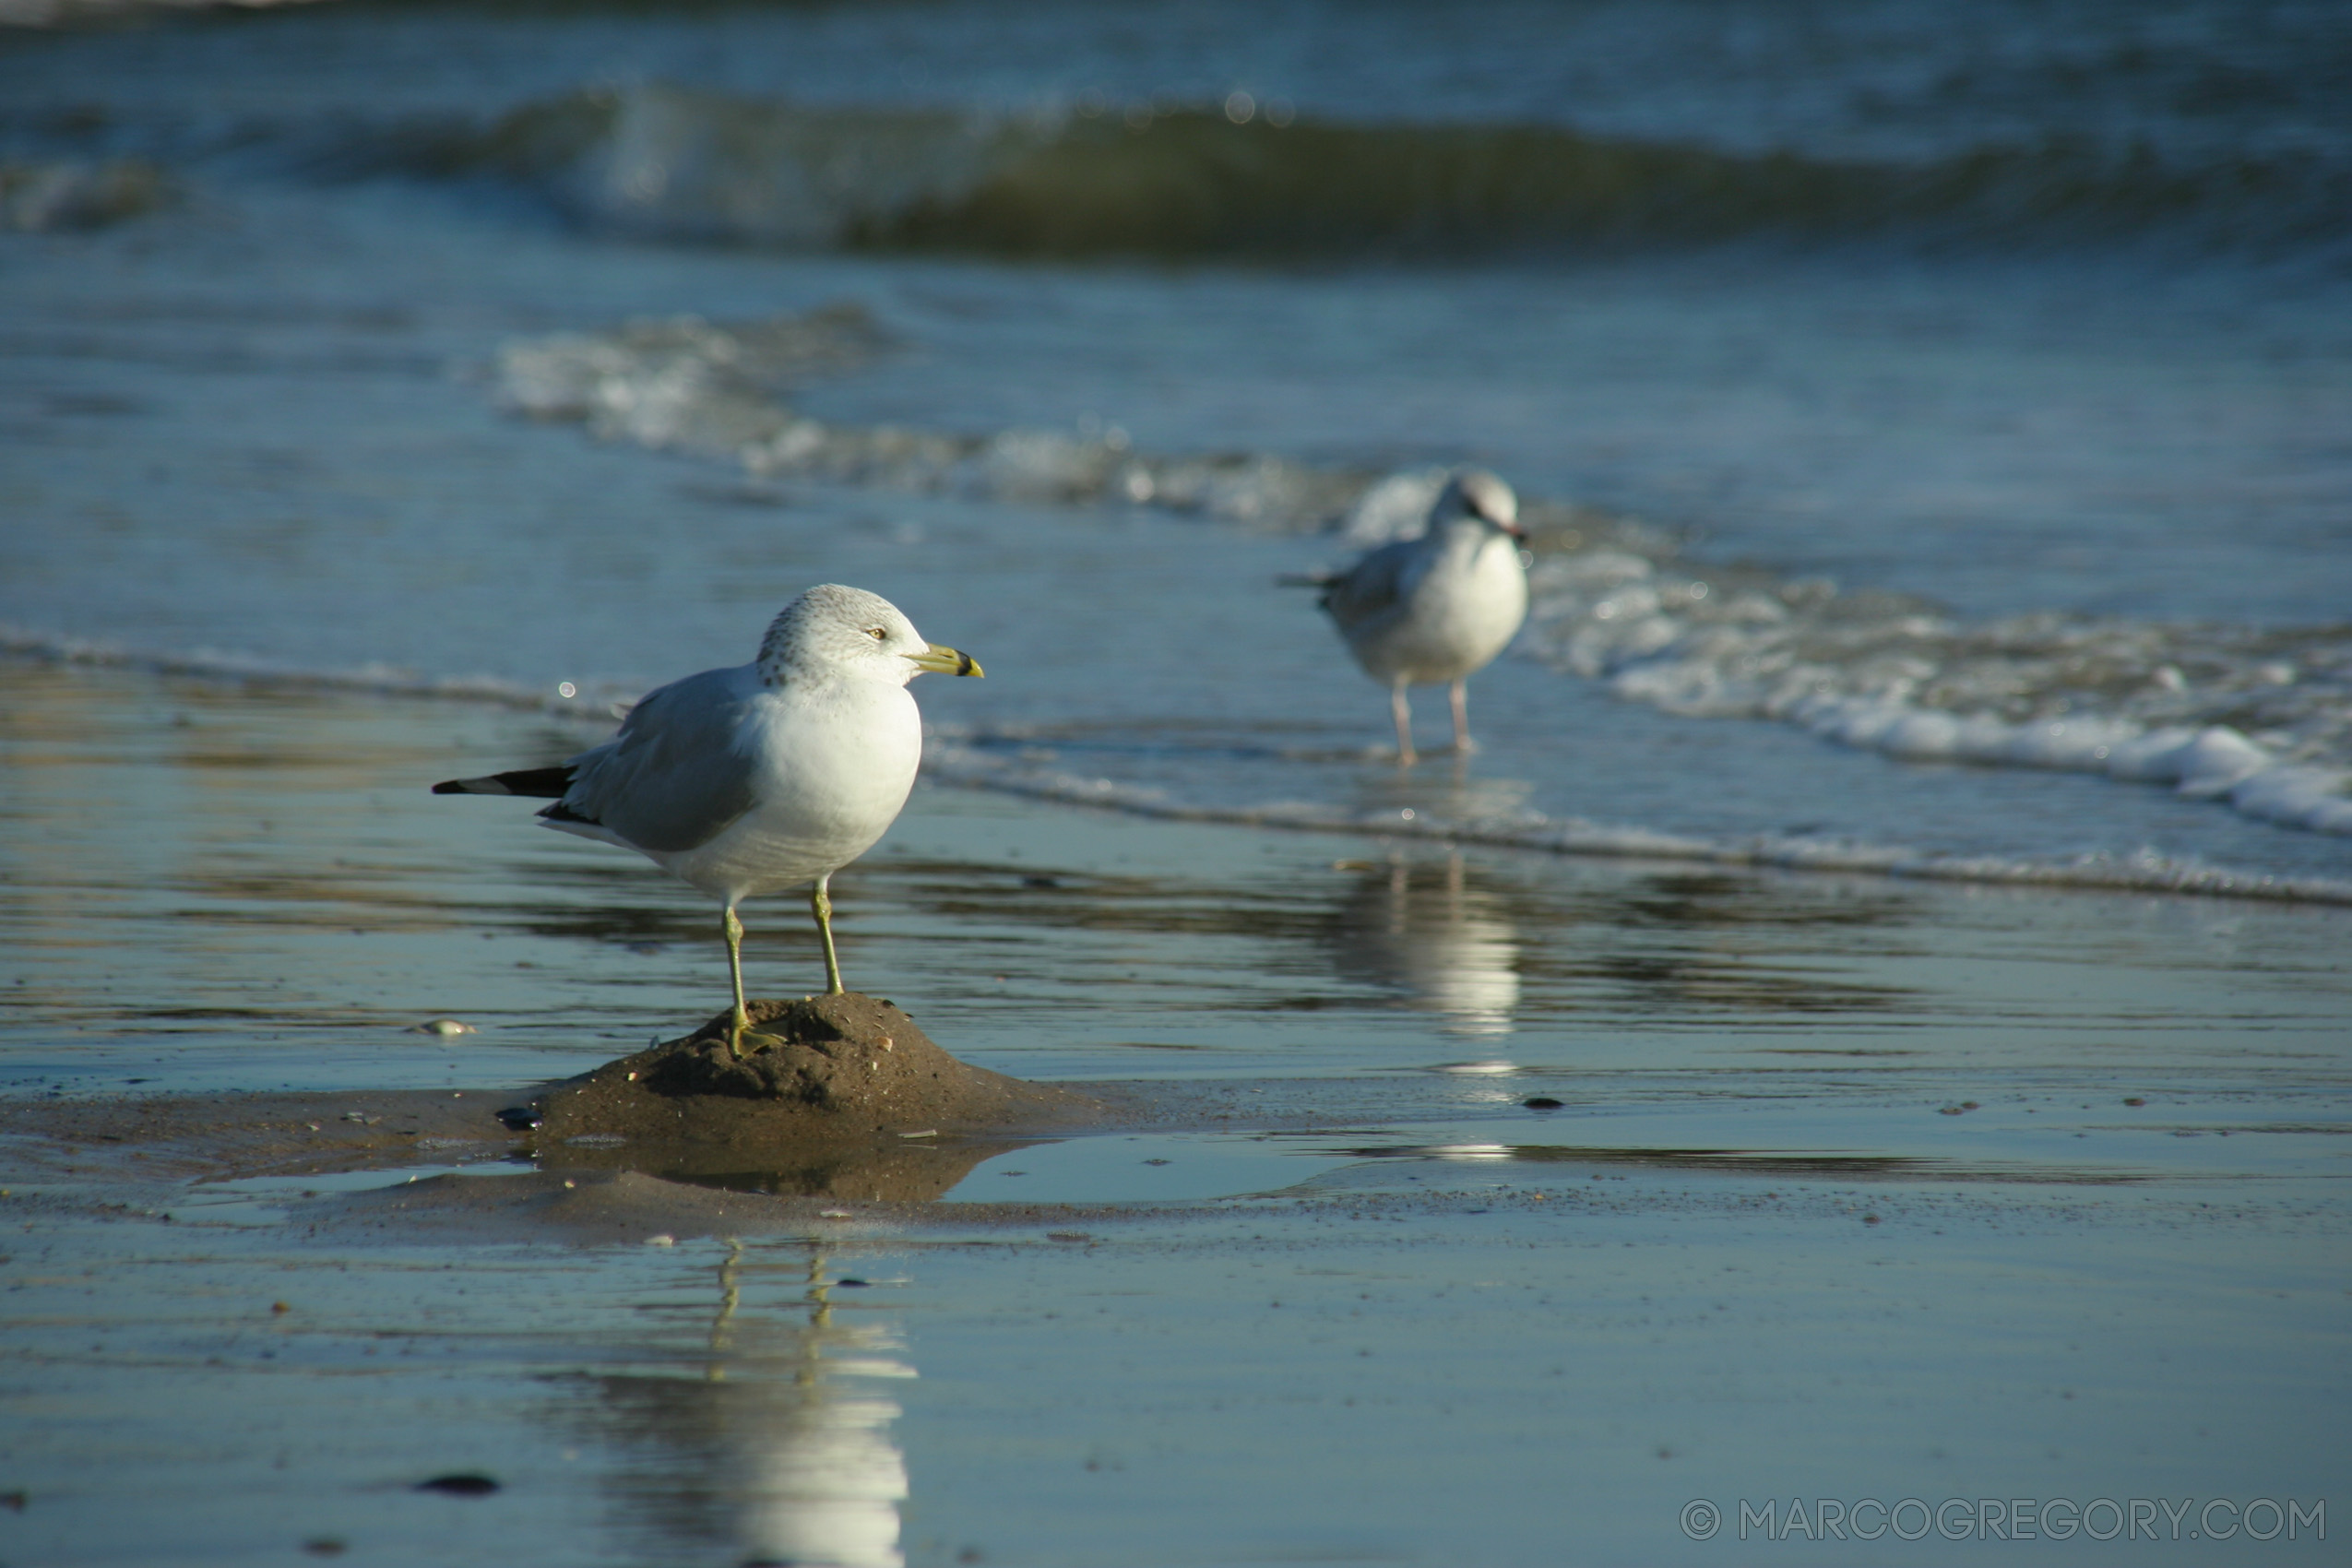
<point>766,775</point>
<point>1437,606</point>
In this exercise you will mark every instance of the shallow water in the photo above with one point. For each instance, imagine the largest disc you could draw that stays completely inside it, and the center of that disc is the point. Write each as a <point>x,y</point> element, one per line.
<point>1406,1361</point>
<point>211,887</point>
<point>1856,1188</point>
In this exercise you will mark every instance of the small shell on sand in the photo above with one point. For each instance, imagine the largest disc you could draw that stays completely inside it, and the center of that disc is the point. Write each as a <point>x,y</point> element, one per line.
<point>445,1027</point>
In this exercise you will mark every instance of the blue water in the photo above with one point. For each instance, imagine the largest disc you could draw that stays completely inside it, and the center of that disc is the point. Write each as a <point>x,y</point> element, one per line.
<point>2036,323</point>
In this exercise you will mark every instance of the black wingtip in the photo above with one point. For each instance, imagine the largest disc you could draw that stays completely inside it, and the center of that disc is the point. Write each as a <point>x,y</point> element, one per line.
<point>543,783</point>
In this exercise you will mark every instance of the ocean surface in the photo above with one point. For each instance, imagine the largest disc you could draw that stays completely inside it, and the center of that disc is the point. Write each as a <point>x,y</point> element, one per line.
<point>1937,425</point>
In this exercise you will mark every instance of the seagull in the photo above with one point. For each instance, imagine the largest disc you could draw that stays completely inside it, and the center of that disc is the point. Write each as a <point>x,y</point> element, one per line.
<point>1437,606</point>
<point>765,776</point>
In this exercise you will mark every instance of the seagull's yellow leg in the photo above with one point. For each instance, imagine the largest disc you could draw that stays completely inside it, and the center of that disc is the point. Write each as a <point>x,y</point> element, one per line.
<point>734,930</point>
<point>821,908</point>
<point>1405,756</point>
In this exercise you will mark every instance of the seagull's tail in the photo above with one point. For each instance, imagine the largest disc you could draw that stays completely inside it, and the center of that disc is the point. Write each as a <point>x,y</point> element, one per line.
<point>539,783</point>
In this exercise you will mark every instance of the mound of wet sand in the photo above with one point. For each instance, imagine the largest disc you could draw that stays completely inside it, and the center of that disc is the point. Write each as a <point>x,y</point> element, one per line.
<point>835,1097</point>
<point>844,1098</point>
<point>823,1069</point>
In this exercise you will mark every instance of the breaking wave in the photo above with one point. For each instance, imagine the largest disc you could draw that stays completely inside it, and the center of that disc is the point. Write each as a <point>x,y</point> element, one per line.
<point>978,759</point>
<point>2260,719</point>
<point>675,163</point>
<point>973,759</point>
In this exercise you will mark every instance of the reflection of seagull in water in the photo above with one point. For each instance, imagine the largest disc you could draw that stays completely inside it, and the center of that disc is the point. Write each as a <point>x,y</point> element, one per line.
<point>766,775</point>
<point>1437,606</point>
<point>1451,947</point>
<point>818,1481</point>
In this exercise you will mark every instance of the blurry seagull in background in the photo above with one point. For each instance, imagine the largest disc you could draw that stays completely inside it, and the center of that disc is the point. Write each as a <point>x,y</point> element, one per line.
<point>763,776</point>
<point>1437,606</point>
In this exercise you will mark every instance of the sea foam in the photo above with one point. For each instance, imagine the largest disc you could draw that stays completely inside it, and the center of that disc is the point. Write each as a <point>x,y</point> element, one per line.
<point>977,760</point>
<point>968,759</point>
<point>2259,720</point>
<point>2138,702</point>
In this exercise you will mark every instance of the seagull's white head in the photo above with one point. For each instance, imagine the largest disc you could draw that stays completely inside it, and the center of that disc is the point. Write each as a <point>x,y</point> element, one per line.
<point>1476,496</point>
<point>835,631</point>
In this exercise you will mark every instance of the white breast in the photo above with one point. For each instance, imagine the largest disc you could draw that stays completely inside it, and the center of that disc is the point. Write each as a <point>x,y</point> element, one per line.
<point>1461,610</point>
<point>832,765</point>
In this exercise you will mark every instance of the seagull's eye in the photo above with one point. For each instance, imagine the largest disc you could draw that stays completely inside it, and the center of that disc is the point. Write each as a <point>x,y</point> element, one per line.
<point>877,634</point>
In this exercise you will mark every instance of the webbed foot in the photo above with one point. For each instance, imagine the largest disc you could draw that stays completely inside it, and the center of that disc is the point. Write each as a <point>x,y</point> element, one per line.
<point>747,1042</point>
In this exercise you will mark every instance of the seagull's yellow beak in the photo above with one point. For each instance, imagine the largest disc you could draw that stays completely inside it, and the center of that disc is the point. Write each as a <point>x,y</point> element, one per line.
<point>942,660</point>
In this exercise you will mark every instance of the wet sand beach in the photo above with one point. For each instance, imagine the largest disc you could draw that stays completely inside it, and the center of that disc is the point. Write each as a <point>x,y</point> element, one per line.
<point>1845,1188</point>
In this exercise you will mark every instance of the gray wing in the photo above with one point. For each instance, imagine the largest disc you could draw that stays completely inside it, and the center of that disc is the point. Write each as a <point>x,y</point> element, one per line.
<point>673,777</point>
<point>1373,588</point>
